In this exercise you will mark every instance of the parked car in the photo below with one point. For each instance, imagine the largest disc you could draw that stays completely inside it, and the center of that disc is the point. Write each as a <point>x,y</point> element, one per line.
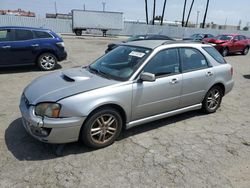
<point>230,43</point>
<point>198,37</point>
<point>137,38</point>
<point>30,46</point>
<point>136,83</point>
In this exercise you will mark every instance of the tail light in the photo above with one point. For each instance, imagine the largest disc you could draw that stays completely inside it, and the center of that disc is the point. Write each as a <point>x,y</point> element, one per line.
<point>232,71</point>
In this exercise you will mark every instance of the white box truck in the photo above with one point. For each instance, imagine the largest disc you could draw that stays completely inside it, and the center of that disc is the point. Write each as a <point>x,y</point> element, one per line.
<point>101,20</point>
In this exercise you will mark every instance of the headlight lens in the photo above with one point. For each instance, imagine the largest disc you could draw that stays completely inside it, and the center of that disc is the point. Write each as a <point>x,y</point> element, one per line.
<point>51,110</point>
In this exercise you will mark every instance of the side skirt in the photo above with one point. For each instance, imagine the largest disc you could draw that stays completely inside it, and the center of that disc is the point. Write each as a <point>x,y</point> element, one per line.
<point>163,115</point>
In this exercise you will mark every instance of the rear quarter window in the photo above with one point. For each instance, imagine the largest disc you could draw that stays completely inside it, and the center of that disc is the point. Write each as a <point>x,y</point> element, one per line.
<point>42,35</point>
<point>215,54</point>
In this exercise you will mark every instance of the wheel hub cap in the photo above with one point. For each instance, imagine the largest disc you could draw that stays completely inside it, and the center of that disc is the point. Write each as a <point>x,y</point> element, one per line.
<point>104,128</point>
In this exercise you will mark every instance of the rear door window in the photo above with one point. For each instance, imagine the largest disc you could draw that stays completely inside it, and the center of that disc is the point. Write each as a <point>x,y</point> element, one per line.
<point>42,35</point>
<point>23,34</point>
<point>215,54</point>
<point>192,59</point>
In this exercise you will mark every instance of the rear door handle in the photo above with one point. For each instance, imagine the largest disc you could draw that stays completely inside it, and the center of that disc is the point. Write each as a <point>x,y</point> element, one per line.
<point>35,45</point>
<point>6,47</point>
<point>209,73</point>
<point>174,81</point>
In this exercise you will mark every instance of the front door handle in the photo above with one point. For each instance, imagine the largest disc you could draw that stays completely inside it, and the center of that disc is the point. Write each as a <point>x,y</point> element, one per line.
<point>6,47</point>
<point>209,73</point>
<point>35,45</point>
<point>174,81</point>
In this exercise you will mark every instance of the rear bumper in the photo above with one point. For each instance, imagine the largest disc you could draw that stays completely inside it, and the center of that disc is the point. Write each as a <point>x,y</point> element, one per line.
<point>50,130</point>
<point>229,86</point>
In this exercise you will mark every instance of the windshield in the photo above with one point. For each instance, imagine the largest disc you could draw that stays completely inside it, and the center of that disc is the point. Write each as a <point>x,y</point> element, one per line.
<point>224,37</point>
<point>120,63</point>
<point>196,36</point>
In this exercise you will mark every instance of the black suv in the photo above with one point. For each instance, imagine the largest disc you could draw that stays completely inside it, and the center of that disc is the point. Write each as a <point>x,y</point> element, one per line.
<point>138,37</point>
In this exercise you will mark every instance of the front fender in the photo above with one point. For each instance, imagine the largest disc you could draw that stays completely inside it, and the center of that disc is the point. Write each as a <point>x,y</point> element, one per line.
<point>84,103</point>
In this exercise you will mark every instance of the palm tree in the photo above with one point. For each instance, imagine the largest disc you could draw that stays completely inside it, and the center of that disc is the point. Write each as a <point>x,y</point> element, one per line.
<point>153,22</point>
<point>183,14</point>
<point>163,11</point>
<point>146,9</point>
<point>189,13</point>
<point>205,16</point>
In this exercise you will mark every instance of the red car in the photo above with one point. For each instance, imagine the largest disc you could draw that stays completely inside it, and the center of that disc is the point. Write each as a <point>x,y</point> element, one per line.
<point>230,43</point>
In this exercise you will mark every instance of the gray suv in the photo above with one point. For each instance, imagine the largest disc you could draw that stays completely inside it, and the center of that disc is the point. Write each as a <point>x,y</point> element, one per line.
<point>135,83</point>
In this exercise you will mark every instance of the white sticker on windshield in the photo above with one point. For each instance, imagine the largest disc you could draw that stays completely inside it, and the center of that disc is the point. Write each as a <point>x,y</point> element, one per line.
<point>137,54</point>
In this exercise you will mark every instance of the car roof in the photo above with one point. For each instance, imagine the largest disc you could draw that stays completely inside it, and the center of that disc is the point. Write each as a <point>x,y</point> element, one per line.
<point>21,27</point>
<point>234,34</point>
<point>152,44</point>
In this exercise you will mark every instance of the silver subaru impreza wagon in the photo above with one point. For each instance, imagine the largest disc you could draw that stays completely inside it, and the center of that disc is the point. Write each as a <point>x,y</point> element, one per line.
<point>135,83</point>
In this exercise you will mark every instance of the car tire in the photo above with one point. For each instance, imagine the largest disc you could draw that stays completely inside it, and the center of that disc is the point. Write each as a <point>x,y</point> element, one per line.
<point>78,32</point>
<point>245,51</point>
<point>47,61</point>
<point>102,128</point>
<point>212,100</point>
<point>225,52</point>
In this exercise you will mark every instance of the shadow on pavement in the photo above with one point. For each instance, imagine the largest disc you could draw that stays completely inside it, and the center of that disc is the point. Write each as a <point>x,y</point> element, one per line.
<point>247,76</point>
<point>22,69</point>
<point>25,147</point>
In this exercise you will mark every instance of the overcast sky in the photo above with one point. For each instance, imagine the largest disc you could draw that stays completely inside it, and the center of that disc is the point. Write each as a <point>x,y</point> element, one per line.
<point>220,11</point>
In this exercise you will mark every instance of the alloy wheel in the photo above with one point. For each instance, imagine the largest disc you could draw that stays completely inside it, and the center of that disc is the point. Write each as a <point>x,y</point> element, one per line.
<point>104,128</point>
<point>213,99</point>
<point>48,62</point>
<point>225,52</point>
<point>246,51</point>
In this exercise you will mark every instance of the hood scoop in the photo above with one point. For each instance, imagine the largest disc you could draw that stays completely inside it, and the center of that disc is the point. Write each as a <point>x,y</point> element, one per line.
<point>74,75</point>
<point>67,79</point>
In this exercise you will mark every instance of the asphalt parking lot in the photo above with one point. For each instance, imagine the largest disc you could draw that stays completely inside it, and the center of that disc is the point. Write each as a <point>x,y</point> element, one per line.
<point>188,150</point>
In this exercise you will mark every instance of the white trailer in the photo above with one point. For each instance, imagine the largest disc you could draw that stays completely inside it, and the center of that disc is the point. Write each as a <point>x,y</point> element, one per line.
<point>101,20</point>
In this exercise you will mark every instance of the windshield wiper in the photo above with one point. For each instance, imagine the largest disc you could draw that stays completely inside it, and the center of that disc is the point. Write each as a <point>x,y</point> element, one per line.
<point>99,72</point>
<point>104,74</point>
<point>93,70</point>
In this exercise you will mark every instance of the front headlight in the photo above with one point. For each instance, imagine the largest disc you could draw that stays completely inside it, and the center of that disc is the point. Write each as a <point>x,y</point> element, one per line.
<point>51,110</point>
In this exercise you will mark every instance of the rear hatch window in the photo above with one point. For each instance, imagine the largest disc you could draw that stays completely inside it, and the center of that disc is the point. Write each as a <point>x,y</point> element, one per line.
<point>215,54</point>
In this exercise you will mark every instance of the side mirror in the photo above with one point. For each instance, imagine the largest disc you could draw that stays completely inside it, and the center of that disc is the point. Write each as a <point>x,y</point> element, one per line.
<point>148,77</point>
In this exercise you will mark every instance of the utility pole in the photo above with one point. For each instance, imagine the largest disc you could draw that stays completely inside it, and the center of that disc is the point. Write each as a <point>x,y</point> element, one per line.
<point>183,14</point>
<point>191,7</point>
<point>197,19</point>
<point>205,16</point>
<point>83,5</point>
<point>55,8</point>
<point>103,6</point>
<point>153,22</point>
<point>163,11</point>
<point>146,9</point>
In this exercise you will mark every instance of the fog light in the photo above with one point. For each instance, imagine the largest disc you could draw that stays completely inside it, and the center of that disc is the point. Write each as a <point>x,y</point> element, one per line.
<point>42,132</point>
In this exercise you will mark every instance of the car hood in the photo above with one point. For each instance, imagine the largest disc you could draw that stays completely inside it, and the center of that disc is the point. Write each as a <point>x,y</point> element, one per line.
<point>58,85</point>
<point>215,41</point>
